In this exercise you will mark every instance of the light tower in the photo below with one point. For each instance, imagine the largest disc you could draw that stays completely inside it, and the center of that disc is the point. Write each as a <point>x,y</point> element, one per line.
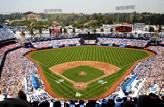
<point>22,38</point>
<point>125,8</point>
<point>157,35</point>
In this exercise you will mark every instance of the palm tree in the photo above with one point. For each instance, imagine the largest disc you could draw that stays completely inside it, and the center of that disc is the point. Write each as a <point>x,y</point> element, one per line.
<point>22,37</point>
<point>151,29</point>
<point>74,30</point>
<point>111,30</point>
<point>31,32</point>
<point>102,30</point>
<point>40,31</point>
<point>65,30</point>
<point>94,30</point>
<point>14,32</point>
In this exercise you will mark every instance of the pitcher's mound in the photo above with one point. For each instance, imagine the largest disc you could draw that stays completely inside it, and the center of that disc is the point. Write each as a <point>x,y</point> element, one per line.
<point>82,73</point>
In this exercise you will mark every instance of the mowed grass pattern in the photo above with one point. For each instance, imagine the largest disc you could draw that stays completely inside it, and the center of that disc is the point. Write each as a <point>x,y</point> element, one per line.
<point>120,57</point>
<point>91,73</point>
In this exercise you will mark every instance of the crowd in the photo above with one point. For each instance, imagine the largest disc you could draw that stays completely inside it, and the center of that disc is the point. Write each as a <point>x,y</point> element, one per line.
<point>150,74</point>
<point>6,48</point>
<point>39,96</point>
<point>116,41</point>
<point>5,34</point>
<point>15,69</point>
<point>29,84</point>
<point>130,42</point>
<point>52,43</point>
<point>153,70</point>
<point>142,101</point>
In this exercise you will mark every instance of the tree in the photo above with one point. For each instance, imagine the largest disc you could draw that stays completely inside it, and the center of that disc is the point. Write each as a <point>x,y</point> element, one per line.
<point>14,32</point>
<point>40,30</point>
<point>111,30</point>
<point>22,33</point>
<point>94,30</point>
<point>102,30</point>
<point>65,30</point>
<point>151,29</point>
<point>31,32</point>
<point>73,30</point>
<point>22,37</point>
<point>160,28</point>
<point>92,24</point>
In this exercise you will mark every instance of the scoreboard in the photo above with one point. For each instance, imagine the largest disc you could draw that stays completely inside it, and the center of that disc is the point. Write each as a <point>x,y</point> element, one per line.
<point>123,29</point>
<point>55,31</point>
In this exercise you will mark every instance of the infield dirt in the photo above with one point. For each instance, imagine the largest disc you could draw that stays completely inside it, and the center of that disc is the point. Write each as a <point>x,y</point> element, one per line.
<point>107,68</point>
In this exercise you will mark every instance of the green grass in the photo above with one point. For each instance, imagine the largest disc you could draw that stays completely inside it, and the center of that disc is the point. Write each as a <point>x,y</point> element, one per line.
<point>91,73</point>
<point>120,57</point>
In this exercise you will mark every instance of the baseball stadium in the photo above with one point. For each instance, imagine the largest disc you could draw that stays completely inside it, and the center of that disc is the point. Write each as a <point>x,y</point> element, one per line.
<point>85,69</point>
<point>82,54</point>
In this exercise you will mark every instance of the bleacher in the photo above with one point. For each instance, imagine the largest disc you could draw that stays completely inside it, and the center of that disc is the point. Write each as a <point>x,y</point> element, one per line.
<point>123,42</point>
<point>7,42</point>
<point>5,34</point>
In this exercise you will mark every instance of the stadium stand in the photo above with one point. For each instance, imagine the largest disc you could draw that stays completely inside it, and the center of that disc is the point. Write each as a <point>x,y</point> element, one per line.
<point>5,34</point>
<point>42,95</point>
<point>7,48</point>
<point>123,42</point>
<point>17,71</point>
<point>55,43</point>
<point>7,42</point>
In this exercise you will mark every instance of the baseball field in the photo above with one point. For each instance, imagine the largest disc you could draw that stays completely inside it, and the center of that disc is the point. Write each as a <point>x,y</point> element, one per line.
<point>84,72</point>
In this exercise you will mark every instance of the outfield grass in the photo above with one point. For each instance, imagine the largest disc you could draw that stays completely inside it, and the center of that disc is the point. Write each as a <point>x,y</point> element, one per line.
<point>91,73</point>
<point>120,57</point>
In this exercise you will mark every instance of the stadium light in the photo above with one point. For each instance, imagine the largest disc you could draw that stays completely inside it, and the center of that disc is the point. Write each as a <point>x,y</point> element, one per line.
<point>127,7</point>
<point>53,11</point>
<point>123,8</point>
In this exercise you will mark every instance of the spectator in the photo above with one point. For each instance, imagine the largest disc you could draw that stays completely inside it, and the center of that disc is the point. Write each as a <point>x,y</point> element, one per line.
<point>22,95</point>
<point>44,104</point>
<point>110,103</point>
<point>57,104</point>
<point>16,102</point>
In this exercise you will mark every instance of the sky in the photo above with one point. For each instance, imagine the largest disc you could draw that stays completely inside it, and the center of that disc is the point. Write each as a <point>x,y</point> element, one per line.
<point>80,6</point>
